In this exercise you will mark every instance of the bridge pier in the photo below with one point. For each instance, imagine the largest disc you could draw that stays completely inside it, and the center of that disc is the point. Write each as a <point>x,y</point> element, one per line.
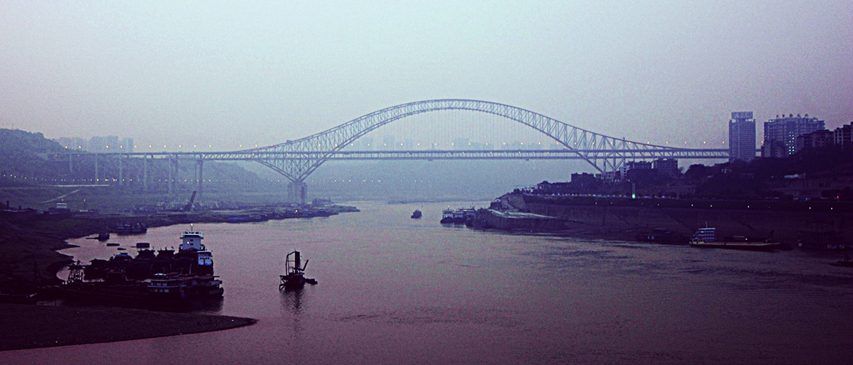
<point>200,178</point>
<point>297,191</point>
<point>173,175</point>
<point>145,173</point>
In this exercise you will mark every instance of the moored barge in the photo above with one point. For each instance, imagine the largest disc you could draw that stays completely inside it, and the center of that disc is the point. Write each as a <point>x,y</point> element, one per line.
<point>168,277</point>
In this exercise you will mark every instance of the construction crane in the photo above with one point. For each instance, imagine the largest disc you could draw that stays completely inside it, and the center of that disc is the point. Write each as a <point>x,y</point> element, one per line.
<point>189,205</point>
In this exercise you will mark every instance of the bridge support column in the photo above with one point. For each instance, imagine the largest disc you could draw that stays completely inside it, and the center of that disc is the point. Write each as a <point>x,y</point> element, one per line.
<point>120,170</point>
<point>297,191</point>
<point>200,178</point>
<point>145,173</point>
<point>97,177</point>
<point>173,174</point>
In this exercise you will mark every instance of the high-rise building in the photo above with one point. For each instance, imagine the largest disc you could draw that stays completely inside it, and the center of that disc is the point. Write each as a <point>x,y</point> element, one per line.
<point>668,166</point>
<point>844,136</point>
<point>780,134</point>
<point>815,140</point>
<point>741,136</point>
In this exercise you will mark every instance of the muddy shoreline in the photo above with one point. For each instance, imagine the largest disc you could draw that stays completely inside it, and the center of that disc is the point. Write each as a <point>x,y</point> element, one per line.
<point>34,326</point>
<point>28,248</point>
<point>29,259</point>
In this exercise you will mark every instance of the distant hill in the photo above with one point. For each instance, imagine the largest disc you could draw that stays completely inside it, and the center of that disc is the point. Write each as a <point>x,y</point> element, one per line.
<point>19,152</point>
<point>14,140</point>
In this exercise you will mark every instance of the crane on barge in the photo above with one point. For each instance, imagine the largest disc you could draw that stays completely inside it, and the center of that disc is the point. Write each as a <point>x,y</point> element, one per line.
<point>294,277</point>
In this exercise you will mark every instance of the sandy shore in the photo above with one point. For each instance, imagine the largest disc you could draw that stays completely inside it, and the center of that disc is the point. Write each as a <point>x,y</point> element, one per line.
<point>31,326</point>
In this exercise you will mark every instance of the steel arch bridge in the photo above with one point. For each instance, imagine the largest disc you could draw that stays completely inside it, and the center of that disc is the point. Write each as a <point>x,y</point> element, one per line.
<point>299,158</point>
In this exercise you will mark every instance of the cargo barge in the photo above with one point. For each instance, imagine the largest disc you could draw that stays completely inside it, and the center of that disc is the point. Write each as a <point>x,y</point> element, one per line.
<point>167,278</point>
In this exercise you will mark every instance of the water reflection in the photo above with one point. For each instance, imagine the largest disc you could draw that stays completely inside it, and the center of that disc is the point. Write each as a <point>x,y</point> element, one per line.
<point>292,299</point>
<point>291,304</point>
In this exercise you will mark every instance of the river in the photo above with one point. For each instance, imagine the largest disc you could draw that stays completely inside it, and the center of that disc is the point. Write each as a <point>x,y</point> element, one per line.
<point>398,290</point>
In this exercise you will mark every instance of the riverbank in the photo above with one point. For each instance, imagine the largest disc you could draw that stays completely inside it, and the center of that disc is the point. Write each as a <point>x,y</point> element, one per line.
<point>29,259</point>
<point>785,221</point>
<point>33,326</point>
<point>29,245</point>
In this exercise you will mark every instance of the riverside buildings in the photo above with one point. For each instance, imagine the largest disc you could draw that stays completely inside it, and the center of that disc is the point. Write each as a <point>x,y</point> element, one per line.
<point>844,137</point>
<point>780,134</point>
<point>742,137</point>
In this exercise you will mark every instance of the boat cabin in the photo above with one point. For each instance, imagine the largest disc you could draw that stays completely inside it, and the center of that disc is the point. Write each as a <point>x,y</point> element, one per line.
<point>191,240</point>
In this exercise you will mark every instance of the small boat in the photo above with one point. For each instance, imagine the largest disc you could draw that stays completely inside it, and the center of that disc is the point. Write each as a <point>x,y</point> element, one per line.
<point>112,244</point>
<point>447,216</point>
<point>17,298</point>
<point>843,263</point>
<point>103,236</point>
<point>8,295</point>
<point>821,240</point>
<point>707,238</point>
<point>416,214</point>
<point>470,215</point>
<point>143,245</point>
<point>295,275</point>
<point>459,216</point>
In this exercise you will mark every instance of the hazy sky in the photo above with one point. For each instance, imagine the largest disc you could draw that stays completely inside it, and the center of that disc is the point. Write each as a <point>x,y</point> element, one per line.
<point>223,73</point>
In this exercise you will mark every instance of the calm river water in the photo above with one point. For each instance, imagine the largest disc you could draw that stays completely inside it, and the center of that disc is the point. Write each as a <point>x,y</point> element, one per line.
<point>398,290</point>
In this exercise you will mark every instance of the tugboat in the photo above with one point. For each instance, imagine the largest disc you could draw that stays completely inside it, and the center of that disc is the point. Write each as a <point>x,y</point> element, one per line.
<point>295,277</point>
<point>416,214</point>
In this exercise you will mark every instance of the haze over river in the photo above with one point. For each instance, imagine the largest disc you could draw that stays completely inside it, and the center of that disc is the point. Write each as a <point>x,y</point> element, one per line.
<point>398,290</point>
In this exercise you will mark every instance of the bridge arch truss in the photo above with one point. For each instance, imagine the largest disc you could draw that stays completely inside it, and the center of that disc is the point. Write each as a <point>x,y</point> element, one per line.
<point>603,152</point>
